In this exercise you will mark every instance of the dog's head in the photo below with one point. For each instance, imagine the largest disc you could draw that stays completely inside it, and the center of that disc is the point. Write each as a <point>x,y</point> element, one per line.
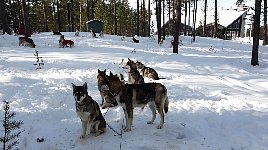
<point>80,92</point>
<point>114,83</point>
<point>139,65</point>
<point>130,64</point>
<point>102,80</point>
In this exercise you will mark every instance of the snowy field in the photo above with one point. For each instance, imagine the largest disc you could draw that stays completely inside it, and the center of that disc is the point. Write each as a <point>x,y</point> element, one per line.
<point>218,101</point>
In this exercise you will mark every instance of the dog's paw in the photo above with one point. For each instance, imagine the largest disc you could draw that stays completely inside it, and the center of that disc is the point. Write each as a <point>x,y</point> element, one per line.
<point>127,130</point>
<point>82,136</point>
<point>159,127</point>
<point>97,133</point>
<point>150,122</point>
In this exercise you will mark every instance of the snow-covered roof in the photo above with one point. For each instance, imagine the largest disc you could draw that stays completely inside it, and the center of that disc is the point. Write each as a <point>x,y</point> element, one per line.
<point>225,16</point>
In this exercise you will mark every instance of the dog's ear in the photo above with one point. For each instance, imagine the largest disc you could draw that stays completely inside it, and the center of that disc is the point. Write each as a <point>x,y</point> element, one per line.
<point>128,59</point>
<point>104,71</point>
<point>98,70</point>
<point>85,85</point>
<point>73,86</point>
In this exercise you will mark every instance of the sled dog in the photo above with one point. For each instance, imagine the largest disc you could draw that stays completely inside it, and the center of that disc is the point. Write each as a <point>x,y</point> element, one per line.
<point>108,99</point>
<point>134,76</point>
<point>88,111</point>
<point>135,40</point>
<point>26,41</point>
<point>147,71</point>
<point>139,95</point>
<point>64,43</point>
<point>56,33</point>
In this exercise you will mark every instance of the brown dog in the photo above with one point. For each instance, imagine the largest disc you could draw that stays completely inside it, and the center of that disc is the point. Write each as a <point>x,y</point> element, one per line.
<point>64,43</point>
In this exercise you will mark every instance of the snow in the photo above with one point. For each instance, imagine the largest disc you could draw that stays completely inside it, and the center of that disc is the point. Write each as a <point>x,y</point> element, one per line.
<point>217,99</point>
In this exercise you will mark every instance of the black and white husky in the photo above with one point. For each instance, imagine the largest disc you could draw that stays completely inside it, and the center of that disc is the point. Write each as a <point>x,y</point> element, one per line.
<point>88,111</point>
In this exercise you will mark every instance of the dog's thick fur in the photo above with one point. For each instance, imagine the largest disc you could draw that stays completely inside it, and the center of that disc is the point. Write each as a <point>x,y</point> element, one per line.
<point>135,40</point>
<point>134,77</point>
<point>108,99</point>
<point>76,33</point>
<point>26,41</point>
<point>147,71</point>
<point>139,95</point>
<point>64,43</point>
<point>161,41</point>
<point>88,111</point>
<point>93,33</point>
<point>56,33</point>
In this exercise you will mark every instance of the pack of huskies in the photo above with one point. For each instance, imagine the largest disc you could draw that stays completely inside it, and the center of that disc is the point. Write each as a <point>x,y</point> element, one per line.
<point>114,91</point>
<point>28,42</point>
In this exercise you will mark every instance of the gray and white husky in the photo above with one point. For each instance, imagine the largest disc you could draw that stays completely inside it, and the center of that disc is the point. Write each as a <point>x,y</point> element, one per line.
<point>138,95</point>
<point>88,111</point>
<point>134,77</point>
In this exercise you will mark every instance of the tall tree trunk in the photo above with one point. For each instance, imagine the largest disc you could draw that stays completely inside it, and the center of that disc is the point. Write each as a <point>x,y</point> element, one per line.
<point>45,15</point>
<point>149,17</point>
<point>169,17</point>
<point>158,19</point>
<point>215,19</point>
<point>177,29</point>
<point>265,38</point>
<point>144,19</point>
<point>25,18</point>
<point>115,18</point>
<point>3,16</point>
<point>205,18</point>
<point>163,27</point>
<point>58,12</point>
<point>189,15</point>
<point>185,17</point>
<point>14,21</point>
<point>256,32</point>
<point>194,19</point>
<point>138,18</point>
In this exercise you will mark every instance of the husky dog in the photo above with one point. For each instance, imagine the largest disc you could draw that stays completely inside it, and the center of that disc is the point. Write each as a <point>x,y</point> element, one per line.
<point>26,41</point>
<point>56,33</point>
<point>101,34</point>
<point>93,33</point>
<point>76,33</point>
<point>64,43</point>
<point>108,99</point>
<point>135,40</point>
<point>134,76</point>
<point>147,71</point>
<point>161,41</point>
<point>139,95</point>
<point>89,112</point>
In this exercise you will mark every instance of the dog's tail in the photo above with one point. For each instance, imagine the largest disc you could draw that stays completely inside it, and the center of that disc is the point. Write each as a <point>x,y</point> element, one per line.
<point>166,102</point>
<point>166,105</point>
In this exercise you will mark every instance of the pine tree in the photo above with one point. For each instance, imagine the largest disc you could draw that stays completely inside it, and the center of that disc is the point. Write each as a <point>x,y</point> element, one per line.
<point>9,139</point>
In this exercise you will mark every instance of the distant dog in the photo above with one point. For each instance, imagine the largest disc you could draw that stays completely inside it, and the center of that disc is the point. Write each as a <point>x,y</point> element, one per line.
<point>147,71</point>
<point>101,34</point>
<point>172,43</point>
<point>56,33</point>
<point>26,41</point>
<point>76,33</point>
<point>88,111</point>
<point>108,99</point>
<point>139,95</point>
<point>134,77</point>
<point>122,38</point>
<point>93,33</point>
<point>65,43</point>
<point>135,40</point>
<point>161,41</point>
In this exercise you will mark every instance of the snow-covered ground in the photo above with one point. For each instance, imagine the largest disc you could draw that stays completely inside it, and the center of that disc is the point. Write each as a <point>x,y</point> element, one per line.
<point>218,101</point>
